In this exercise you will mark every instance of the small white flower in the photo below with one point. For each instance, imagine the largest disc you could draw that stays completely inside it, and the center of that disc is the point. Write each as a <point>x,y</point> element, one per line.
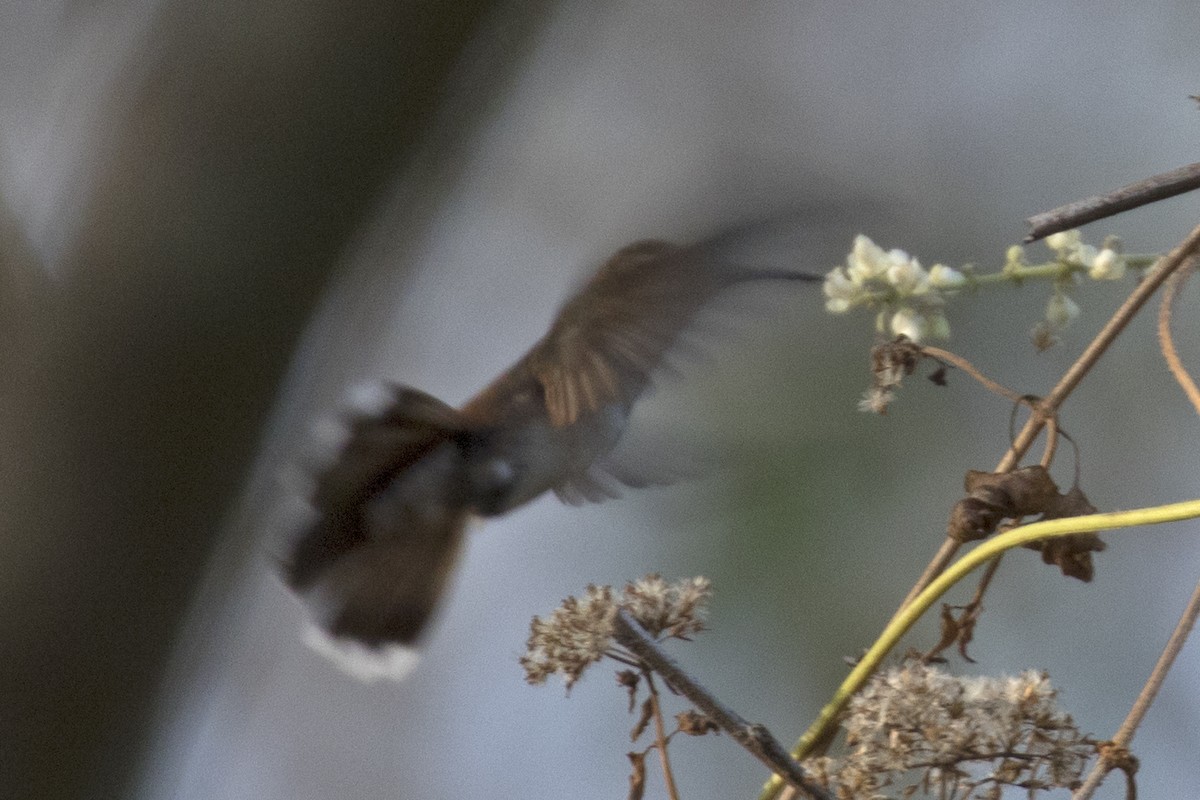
<point>1085,254</point>
<point>897,257</point>
<point>838,284</point>
<point>1061,310</point>
<point>1064,242</point>
<point>939,326</point>
<point>907,322</point>
<point>943,277</point>
<point>837,305</point>
<point>866,260</point>
<point>906,274</point>
<point>1014,257</point>
<point>1107,266</point>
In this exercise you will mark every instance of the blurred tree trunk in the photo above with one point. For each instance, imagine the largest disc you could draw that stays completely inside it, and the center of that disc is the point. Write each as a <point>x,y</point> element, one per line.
<point>248,143</point>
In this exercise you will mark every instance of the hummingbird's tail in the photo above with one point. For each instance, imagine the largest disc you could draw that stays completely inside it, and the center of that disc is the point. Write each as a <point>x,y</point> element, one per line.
<point>373,554</point>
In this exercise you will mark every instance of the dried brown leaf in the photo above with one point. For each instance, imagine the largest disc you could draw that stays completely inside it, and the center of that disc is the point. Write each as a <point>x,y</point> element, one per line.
<point>647,714</point>
<point>693,723</point>
<point>996,496</point>
<point>960,630</point>
<point>628,679</point>
<point>637,776</point>
<point>1072,554</point>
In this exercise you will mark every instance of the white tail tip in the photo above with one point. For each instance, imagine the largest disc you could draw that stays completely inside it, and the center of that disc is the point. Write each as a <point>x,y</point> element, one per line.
<point>392,662</point>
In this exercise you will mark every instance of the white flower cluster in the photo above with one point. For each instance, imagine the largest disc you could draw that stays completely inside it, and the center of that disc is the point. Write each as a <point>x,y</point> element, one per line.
<point>910,296</point>
<point>1105,264</point>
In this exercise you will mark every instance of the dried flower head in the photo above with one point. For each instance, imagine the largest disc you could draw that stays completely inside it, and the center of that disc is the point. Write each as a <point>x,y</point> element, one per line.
<point>577,634</point>
<point>962,737</point>
<point>891,362</point>
<point>580,631</point>
<point>668,609</point>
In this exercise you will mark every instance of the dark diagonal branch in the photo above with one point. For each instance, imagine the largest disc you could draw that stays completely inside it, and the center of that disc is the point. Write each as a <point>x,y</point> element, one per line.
<point>755,738</point>
<point>1144,192</point>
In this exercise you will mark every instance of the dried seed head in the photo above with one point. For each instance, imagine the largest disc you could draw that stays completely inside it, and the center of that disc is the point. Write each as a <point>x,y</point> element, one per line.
<point>964,736</point>
<point>577,634</point>
<point>580,631</point>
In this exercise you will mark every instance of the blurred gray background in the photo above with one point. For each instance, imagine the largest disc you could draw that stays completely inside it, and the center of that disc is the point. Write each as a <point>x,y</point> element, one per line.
<point>215,218</point>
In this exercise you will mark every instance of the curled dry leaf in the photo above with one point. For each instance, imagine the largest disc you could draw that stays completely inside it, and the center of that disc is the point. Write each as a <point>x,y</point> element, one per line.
<point>647,714</point>
<point>637,776</point>
<point>993,497</point>
<point>693,723</point>
<point>628,680</point>
<point>1072,554</point>
<point>996,496</point>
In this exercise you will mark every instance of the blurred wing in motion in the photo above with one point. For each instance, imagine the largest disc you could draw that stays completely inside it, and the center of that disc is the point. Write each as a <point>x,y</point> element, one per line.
<point>637,311</point>
<point>608,339</point>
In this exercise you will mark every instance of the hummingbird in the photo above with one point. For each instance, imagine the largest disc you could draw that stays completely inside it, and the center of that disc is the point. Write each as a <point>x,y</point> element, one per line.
<point>385,519</point>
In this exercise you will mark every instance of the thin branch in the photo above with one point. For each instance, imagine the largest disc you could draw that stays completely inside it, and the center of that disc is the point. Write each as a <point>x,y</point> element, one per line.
<point>755,738</point>
<point>984,582</point>
<point>948,357</point>
<point>1032,402</point>
<point>660,742</point>
<point>1120,319</point>
<point>1124,734</point>
<point>1166,340</point>
<point>1144,192</point>
<point>1052,445</point>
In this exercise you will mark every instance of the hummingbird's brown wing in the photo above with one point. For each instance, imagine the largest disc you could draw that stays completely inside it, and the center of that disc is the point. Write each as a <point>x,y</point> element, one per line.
<point>369,561</point>
<point>621,327</point>
<point>608,338</point>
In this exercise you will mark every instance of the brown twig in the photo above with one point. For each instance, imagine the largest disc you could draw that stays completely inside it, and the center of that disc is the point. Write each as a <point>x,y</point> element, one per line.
<point>1120,319</point>
<point>984,582</point>
<point>1051,443</point>
<point>1124,734</point>
<point>755,738</point>
<point>1144,192</point>
<point>961,363</point>
<point>660,740</point>
<point>1034,403</point>
<point>1167,342</point>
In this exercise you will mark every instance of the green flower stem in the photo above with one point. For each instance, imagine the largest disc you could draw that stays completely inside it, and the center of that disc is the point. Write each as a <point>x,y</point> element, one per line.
<point>986,551</point>
<point>1014,274</point>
